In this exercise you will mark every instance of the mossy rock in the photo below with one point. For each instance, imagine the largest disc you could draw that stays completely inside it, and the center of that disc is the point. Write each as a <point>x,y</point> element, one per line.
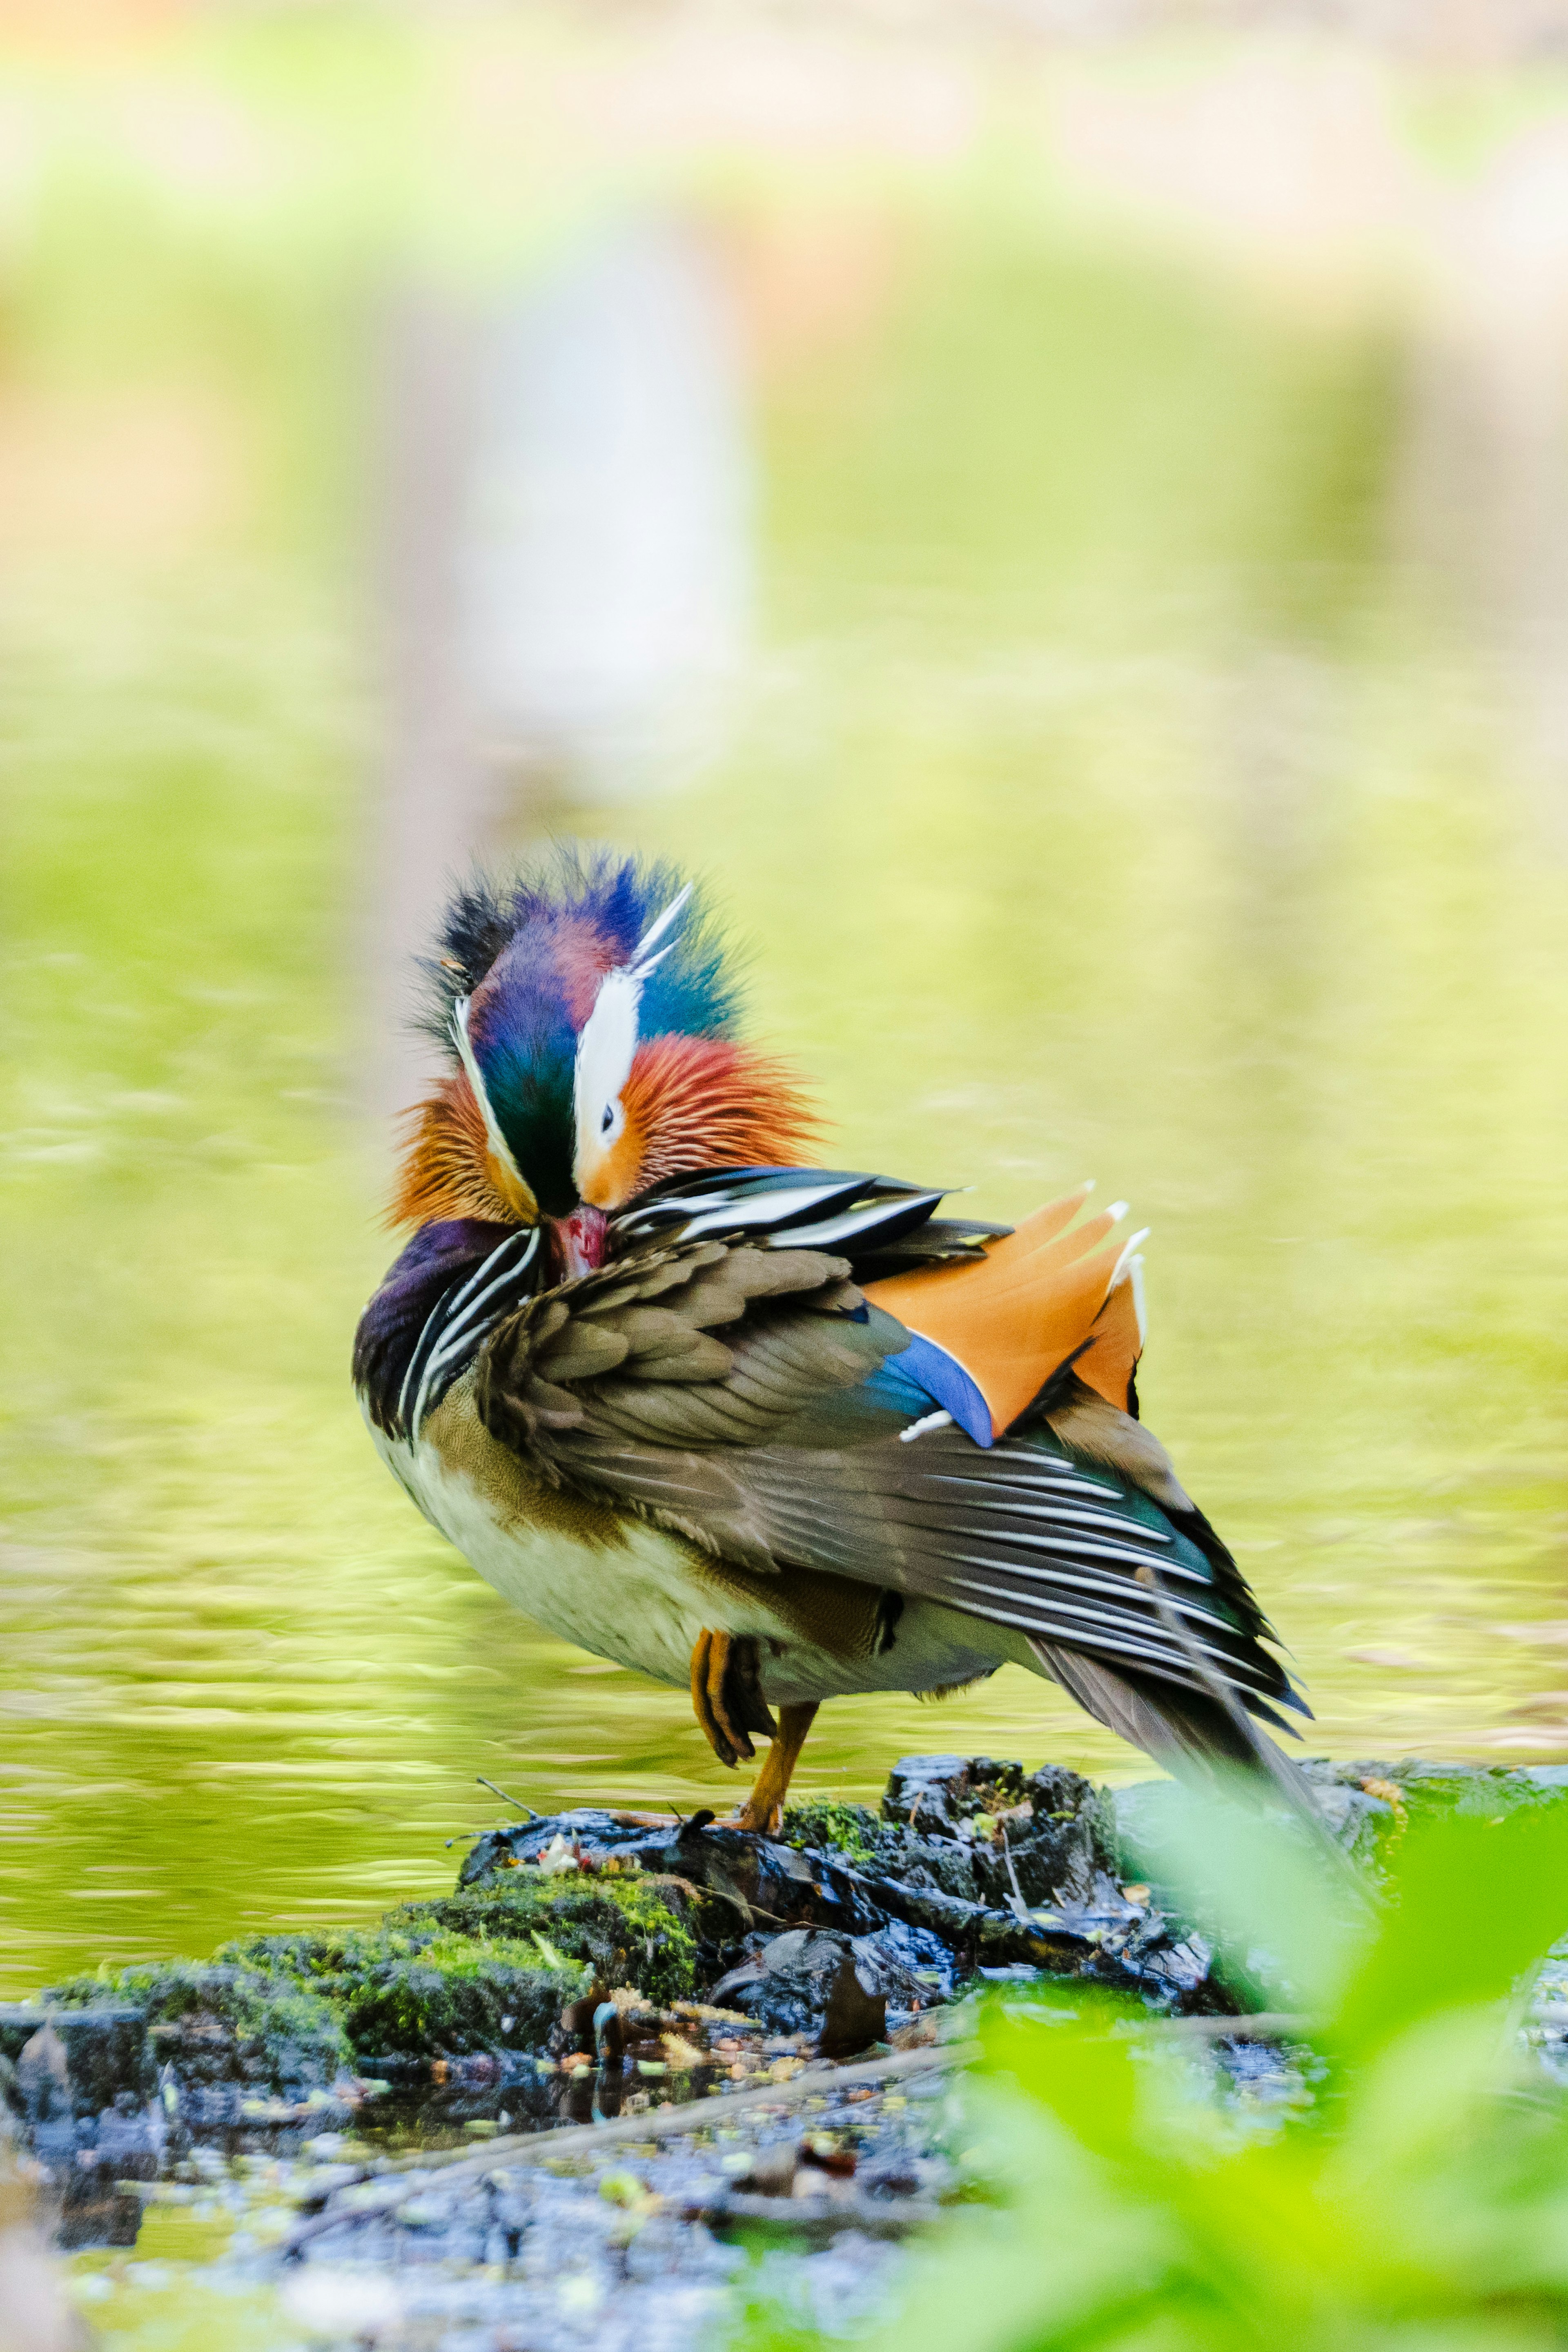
<point>826,1823</point>
<point>226,2020</point>
<point>1371,1803</point>
<point>641,1929</point>
<point>489,1969</point>
<point>411,1990</point>
<point>1488,1791</point>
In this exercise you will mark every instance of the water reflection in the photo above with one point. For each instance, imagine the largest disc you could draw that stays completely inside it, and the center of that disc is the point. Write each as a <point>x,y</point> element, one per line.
<point>1482,502</point>
<point>608,566</point>
<point>1102,800</point>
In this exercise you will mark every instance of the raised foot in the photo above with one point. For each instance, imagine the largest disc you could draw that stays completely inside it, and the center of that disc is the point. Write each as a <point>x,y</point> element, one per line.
<point>726,1694</point>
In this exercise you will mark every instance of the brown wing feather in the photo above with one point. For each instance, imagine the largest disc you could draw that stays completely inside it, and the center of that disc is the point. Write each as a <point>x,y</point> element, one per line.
<point>719,1389</point>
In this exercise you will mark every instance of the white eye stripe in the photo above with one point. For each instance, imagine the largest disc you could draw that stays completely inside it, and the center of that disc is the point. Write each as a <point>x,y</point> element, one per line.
<point>604,1055</point>
<point>498,1141</point>
<point>608,1045</point>
<point>642,963</point>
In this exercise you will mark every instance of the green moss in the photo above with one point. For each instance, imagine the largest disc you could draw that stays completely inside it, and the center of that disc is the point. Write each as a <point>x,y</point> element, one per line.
<point>852,1829</point>
<point>415,1991</point>
<point>227,2021</point>
<point>489,1969</point>
<point>641,1930</point>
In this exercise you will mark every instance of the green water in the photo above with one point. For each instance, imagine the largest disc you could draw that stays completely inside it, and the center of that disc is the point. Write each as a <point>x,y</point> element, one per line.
<point>1109,798</point>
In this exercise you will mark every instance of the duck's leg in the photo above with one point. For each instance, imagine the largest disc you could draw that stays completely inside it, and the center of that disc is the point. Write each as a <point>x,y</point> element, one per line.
<point>726,1694</point>
<point>764,1809</point>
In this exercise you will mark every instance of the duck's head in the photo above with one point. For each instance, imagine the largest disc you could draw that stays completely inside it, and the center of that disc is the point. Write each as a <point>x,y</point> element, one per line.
<point>589,1010</point>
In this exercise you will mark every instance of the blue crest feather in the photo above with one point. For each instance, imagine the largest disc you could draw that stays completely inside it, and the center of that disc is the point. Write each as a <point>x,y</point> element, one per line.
<point>694,990</point>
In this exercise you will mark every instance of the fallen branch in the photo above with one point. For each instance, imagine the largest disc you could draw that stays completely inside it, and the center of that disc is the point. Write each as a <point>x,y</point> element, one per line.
<point>696,2115</point>
<point>659,2123</point>
<point>821,2217</point>
<point>1260,2025</point>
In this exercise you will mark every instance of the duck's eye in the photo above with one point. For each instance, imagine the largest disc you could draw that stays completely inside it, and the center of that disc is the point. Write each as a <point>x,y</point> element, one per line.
<point>608,1121</point>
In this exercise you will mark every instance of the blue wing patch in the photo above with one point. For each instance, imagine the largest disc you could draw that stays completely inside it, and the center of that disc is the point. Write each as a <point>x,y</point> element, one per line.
<point>924,1374</point>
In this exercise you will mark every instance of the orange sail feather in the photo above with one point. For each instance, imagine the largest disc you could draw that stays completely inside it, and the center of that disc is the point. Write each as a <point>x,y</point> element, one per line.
<point>1038,1298</point>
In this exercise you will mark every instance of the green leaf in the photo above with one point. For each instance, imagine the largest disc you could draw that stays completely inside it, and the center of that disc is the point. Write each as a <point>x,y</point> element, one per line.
<point>1473,1904</point>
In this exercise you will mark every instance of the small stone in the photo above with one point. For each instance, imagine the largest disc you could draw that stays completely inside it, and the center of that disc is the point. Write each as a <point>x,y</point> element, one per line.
<point>331,2304</point>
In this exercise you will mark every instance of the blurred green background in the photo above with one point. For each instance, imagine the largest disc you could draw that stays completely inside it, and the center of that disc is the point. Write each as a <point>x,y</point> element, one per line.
<point>1120,693</point>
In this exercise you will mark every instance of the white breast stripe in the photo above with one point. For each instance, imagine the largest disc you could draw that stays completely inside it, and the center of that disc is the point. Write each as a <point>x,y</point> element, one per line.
<point>455,1325</point>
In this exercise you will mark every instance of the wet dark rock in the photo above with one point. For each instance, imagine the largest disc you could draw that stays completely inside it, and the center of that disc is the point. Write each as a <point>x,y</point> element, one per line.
<point>1365,1806</point>
<point>712,1882</point>
<point>1418,1789</point>
<point>817,1980</point>
<point>972,1863</point>
<point>853,2016</point>
<point>219,2032</point>
<point>78,2087</point>
<point>220,2042</point>
<point>88,2056</point>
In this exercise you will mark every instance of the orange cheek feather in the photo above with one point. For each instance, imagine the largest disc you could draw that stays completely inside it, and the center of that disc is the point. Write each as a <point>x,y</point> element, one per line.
<point>614,1177</point>
<point>695,1103</point>
<point>448,1170</point>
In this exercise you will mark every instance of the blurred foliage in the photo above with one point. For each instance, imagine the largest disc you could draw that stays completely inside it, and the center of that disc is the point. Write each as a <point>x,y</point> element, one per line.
<point>1421,2203</point>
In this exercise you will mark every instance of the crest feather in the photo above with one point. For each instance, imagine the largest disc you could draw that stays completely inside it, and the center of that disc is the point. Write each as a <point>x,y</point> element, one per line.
<point>628,904</point>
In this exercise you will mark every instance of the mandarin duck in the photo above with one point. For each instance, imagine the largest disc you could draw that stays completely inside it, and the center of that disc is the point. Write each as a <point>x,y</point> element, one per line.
<point>774,1432</point>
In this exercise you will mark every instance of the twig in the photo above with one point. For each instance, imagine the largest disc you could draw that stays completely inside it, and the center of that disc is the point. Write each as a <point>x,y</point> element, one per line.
<point>1258,2025</point>
<point>700,2115</point>
<point>818,2217</point>
<point>507,1799</point>
<point>1019,1910</point>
